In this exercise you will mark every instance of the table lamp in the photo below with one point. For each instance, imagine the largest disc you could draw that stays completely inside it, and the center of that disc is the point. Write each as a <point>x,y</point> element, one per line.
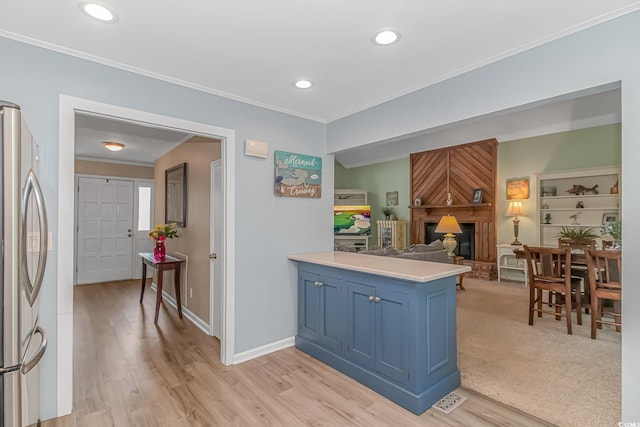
<point>515,209</point>
<point>449,225</point>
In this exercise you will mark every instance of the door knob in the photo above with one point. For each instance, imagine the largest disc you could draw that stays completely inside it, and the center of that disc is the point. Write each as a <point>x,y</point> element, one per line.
<point>213,256</point>
<point>129,235</point>
<point>376,299</point>
<point>370,297</point>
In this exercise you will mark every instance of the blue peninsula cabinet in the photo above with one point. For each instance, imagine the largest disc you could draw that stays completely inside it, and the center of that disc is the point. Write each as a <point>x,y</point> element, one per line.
<point>388,323</point>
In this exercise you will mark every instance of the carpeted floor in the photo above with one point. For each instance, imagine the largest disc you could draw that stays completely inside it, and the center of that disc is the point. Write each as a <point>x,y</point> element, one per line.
<point>569,380</point>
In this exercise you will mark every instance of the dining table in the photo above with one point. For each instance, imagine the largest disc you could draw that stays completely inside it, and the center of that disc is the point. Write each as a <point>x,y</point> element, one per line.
<point>578,270</point>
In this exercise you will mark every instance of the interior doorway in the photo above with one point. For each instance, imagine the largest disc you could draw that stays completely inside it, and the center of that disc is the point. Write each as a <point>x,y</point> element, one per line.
<point>69,107</point>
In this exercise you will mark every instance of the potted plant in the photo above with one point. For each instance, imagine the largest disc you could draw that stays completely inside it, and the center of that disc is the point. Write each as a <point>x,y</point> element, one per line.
<point>577,234</point>
<point>387,211</point>
<point>614,230</point>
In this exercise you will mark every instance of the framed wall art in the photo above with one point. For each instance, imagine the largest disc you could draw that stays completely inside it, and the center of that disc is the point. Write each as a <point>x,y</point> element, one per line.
<point>175,195</point>
<point>297,175</point>
<point>518,188</point>
<point>392,198</point>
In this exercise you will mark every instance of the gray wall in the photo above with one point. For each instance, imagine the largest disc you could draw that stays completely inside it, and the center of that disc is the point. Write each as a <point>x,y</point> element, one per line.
<point>267,228</point>
<point>600,55</point>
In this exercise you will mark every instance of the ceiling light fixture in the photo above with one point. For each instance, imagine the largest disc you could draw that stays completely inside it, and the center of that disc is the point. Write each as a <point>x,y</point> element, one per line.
<point>385,37</point>
<point>113,146</point>
<point>98,11</point>
<point>303,84</point>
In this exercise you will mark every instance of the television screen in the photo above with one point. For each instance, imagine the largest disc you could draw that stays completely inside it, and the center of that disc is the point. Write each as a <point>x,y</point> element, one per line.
<point>353,220</point>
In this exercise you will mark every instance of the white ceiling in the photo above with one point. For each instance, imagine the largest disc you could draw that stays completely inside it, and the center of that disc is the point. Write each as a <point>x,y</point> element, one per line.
<point>253,50</point>
<point>143,143</point>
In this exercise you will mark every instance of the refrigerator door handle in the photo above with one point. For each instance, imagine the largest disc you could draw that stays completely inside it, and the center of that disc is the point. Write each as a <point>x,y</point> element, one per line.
<point>32,289</point>
<point>30,364</point>
<point>10,369</point>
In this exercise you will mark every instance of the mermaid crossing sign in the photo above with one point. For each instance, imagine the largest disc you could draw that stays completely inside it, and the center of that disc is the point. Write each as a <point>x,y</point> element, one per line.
<point>297,175</point>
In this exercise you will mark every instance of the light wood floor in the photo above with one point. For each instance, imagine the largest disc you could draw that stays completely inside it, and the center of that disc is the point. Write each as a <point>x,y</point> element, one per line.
<point>129,372</point>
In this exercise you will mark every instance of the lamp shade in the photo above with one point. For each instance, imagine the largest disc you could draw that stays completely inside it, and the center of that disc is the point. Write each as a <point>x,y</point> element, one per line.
<point>448,224</point>
<point>515,208</point>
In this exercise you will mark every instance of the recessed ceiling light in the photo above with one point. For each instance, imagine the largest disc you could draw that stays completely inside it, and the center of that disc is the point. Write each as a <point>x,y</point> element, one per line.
<point>303,84</point>
<point>98,11</point>
<point>113,146</point>
<point>386,37</point>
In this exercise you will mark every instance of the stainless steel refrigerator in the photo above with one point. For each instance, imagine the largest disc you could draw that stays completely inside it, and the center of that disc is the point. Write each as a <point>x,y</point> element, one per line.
<point>24,255</point>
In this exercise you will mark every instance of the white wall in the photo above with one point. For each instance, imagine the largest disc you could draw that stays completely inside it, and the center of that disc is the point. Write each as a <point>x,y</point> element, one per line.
<point>267,228</point>
<point>600,55</point>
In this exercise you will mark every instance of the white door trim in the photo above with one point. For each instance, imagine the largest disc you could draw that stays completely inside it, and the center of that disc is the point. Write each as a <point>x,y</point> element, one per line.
<point>215,244</point>
<point>68,107</point>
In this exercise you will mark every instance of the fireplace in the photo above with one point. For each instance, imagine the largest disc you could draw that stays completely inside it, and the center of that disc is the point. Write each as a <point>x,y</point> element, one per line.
<point>466,240</point>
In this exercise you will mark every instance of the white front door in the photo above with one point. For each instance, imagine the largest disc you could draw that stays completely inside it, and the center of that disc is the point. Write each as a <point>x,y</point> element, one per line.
<point>105,230</point>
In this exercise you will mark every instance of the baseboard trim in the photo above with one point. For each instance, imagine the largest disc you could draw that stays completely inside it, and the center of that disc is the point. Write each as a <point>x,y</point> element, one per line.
<point>190,315</point>
<point>263,350</point>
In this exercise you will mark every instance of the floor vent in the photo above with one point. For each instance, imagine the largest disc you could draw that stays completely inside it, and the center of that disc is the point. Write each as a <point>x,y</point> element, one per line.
<point>450,402</point>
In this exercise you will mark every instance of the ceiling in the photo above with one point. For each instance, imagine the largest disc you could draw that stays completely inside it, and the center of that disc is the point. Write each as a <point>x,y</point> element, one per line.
<point>254,50</point>
<point>143,143</point>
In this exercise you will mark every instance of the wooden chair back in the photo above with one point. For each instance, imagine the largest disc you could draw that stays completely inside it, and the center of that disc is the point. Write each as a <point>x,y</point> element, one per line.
<point>605,282</point>
<point>549,270</point>
<point>607,244</point>
<point>578,247</point>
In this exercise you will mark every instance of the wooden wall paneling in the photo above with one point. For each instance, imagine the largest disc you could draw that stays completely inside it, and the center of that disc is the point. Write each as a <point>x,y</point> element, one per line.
<point>429,178</point>
<point>458,170</point>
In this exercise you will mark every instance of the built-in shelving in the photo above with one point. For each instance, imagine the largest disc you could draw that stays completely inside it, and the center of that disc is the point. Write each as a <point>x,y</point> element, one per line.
<point>592,210</point>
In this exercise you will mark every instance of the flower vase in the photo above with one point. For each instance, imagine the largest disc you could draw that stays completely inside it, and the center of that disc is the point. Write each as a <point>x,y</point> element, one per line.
<point>159,250</point>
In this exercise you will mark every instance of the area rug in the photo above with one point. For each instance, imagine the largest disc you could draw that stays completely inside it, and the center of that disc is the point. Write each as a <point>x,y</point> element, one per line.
<point>568,380</point>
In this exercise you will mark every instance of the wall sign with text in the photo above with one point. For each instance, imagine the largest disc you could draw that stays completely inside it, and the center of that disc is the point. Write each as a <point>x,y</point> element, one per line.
<point>297,175</point>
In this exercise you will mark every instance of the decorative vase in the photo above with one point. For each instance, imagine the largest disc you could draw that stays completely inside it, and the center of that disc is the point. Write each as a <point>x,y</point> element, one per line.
<point>159,250</point>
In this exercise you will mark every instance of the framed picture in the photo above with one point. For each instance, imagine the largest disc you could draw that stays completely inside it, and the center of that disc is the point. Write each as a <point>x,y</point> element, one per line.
<point>392,198</point>
<point>297,175</point>
<point>477,196</point>
<point>518,188</point>
<point>609,217</point>
<point>175,195</point>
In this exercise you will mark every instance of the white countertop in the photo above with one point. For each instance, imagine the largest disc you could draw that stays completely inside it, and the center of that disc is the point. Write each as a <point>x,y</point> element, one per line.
<point>405,269</point>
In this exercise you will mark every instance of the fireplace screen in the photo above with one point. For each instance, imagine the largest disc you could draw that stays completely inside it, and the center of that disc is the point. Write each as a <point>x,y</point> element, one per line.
<point>466,240</point>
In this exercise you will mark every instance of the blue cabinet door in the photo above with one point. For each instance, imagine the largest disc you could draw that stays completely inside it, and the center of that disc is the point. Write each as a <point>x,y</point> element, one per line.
<point>361,312</point>
<point>331,312</point>
<point>309,306</point>
<point>392,329</point>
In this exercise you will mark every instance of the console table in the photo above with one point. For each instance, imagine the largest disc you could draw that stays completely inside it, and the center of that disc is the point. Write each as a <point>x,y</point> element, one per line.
<point>388,323</point>
<point>167,264</point>
<point>505,254</point>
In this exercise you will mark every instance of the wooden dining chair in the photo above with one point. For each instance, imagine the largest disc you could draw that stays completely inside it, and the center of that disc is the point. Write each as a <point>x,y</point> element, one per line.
<point>607,244</point>
<point>580,282</point>
<point>605,281</point>
<point>549,270</point>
